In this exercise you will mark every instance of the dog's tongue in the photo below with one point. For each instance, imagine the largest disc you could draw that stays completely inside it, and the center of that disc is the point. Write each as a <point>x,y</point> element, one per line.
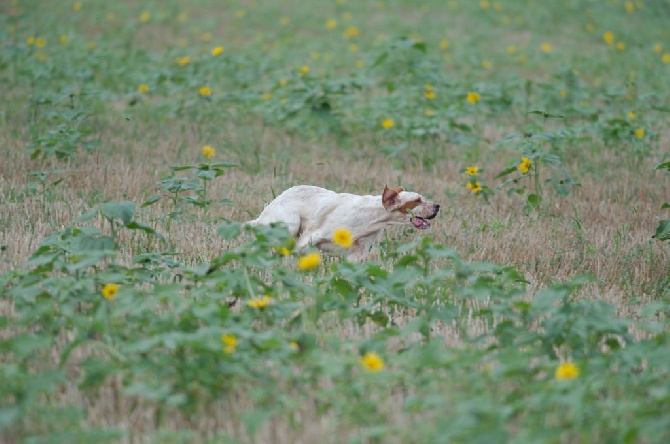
<point>420,223</point>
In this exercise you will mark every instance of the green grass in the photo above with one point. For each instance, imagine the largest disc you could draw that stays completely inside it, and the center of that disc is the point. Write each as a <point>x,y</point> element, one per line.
<point>103,181</point>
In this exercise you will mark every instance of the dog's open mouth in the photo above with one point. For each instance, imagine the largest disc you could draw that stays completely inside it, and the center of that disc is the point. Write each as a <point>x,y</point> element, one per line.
<point>420,223</point>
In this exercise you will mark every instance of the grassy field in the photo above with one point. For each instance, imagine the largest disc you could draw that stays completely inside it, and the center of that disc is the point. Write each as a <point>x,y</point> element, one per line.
<point>136,136</point>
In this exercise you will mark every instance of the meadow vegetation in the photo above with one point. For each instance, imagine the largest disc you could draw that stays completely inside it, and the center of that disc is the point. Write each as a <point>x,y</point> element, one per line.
<point>136,136</point>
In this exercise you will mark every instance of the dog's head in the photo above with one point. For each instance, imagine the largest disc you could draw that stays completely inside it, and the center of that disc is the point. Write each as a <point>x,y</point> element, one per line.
<point>409,207</point>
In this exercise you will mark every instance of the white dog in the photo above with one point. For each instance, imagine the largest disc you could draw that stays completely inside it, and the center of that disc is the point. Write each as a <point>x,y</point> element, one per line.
<point>312,215</point>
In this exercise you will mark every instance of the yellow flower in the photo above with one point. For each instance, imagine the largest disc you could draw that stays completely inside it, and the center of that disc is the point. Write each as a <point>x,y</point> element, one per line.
<point>343,238</point>
<point>631,115</point>
<point>473,97</point>
<point>351,32</point>
<point>360,64</point>
<point>109,291</point>
<point>430,94</point>
<point>590,27</point>
<point>217,51</point>
<point>608,37</point>
<point>444,44</point>
<point>525,165</point>
<point>283,100</point>
<point>240,13</point>
<point>145,16</point>
<point>91,44</point>
<point>372,362</point>
<point>630,7</point>
<point>284,21</point>
<point>183,61</point>
<point>206,37</point>
<point>40,42</point>
<point>331,23</point>
<point>546,48</point>
<point>266,96</point>
<point>498,6</point>
<point>665,58</point>
<point>484,4</point>
<point>110,16</point>
<point>229,343</point>
<point>284,251</point>
<point>208,151</point>
<point>567,371</point>
<point>563,93</point>
<point>476,187</point>
<point>309,261</point>
<point>428,87</point>
<point>354,47</point>
<point>63,39</point>
<point>429,112</point>
<point>30,41</point>
<point>294,345</point>
<point>639,133</point>
<point>283,82</point>
<point>511,50</point>
<point>182,16</point>
<point>205,91</point>
<point>76,7</point>
<point>388,123</point>
<point>259,302</point>
<point>471,171</point>
<point>304,70</point>
<point>143,88</point>
<point>620,46</point>
<point>658,48</point>
<point>486,64</point>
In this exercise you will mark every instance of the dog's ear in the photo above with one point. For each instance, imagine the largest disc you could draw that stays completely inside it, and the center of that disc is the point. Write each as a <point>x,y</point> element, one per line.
<point>390,198</point>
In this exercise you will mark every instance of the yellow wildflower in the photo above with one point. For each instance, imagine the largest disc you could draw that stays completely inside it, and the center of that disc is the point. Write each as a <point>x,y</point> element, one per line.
<point>40,42</point>
<point>546,48</point>
<point>360,64</point>
<point>259,302</point>
<point>630,7</point>
<point>351,32</point>
<point>486,64</point>
<point>590,27</point>
<point>143,88</point>
<point>430,94</point>
<point>110,16</point>
<point>109,291</point>
<point>429,112</point>
<point>484,4</point>
<point>511,50</point>
<point>145,16</point>
<point>608,37</point>
<point>476,187</point>
<point>388,123</point>
<point>304,70</point>
<point>284,251</point>
<point>473,97</point>
<point>206,37</point>
<point>284,21</point>
<point>563,93</point>
<point>266,96</point>
<point>665,58</point>
<point>471,171</point>
<point>354,47</point>
<point>91,44</point>
<point>567,371</point>
<point>620,46</point>
<point>208,151</point>
<point>372,362</point>
<point>205,91</point>
<point>525,165</point>
<point>658,48</point>
<point>76,7</point>
<point>331,23</point>
<point>229,343</point>
<point>444,44</point>
<point>343,238</point>
<point>309,261</point>
<point>240,13</point>
<point>30,41</point>
<point>217,51</point>
<point>183,61</point>
<point>631,115</point>
<point>63,39</point>
<point>294,345</point>
<point>639,133</point>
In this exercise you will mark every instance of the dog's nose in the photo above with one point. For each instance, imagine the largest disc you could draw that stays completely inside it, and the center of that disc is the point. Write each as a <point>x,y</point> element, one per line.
<point>437,207</point>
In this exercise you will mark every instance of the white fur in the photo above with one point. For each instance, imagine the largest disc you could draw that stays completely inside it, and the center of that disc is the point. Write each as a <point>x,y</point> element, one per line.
<point>312,214</point>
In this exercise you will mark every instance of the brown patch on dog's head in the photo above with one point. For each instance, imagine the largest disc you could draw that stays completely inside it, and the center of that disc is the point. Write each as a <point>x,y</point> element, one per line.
<point>408,206</point>
<point>390,197</point>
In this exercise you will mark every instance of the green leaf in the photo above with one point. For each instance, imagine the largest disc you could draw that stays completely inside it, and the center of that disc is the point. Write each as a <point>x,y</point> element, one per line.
<point>229,230</point>
<point>663,230</point>
<point>86,216</point>
<point>534,199</point>
<point>125,211</point>
<point>663,165</point>
<point>379,60</point>
<point>506,171</point>
<point>151,200</point>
